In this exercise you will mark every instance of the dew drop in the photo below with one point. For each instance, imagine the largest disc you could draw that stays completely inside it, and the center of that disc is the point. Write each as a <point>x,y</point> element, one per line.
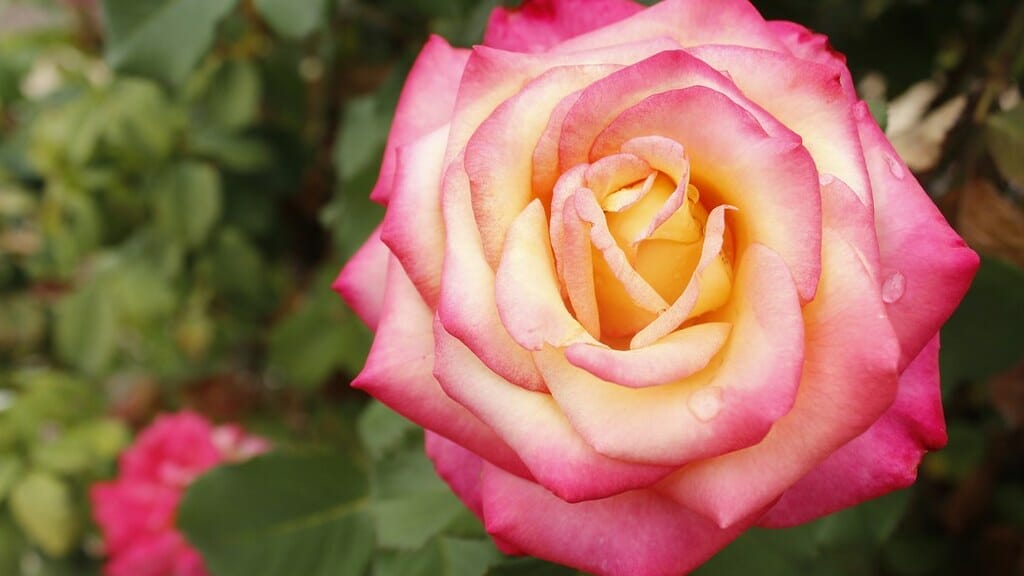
<point>706,403</point>
<point>894,166</point>
<point>826,179</point>
<point>893,288</point>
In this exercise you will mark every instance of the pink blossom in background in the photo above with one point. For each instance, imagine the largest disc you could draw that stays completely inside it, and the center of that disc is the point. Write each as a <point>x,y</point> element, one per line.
<point>136,511</point>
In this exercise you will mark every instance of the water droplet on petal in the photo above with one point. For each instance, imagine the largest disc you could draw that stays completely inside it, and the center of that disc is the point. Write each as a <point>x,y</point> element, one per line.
<point>826,179</point>
<point>706,403</point>
<point>893,288</point>
<point>895,166</point>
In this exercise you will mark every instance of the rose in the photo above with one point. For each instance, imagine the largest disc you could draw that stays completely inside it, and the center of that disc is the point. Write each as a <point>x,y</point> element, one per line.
<point>649,277</point>
<point>136,511</point>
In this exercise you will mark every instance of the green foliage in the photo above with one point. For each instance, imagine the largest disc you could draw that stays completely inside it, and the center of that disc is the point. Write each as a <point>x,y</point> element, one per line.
<point>161,39</point>
<point>986,333</point>
<point>180,181</point>
<point>311,517</point>
<point>290,18</point>
<point>1005,135</point>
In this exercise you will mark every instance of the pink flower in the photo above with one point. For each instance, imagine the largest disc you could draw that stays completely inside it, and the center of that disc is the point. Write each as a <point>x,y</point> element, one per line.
<point>136,512</point>
<point>653,276</point>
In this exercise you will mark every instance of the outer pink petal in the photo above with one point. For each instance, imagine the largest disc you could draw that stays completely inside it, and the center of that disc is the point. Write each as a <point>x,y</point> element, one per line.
<point>534,426</point>
<point>412,227</point>
<point>399,373</point>
<point>805,44</point>
<point>468,308</point>
<point>426,102</point>
<point>926,267</point>
<point>717,410</point>
<point>849,380</point>
<point>883,459</point>
<point>360,280</point>
<point>688,22</point>
<point>772,180</point>
<point>810,99</point>
<point>637,533</point>
<point>540,24</point>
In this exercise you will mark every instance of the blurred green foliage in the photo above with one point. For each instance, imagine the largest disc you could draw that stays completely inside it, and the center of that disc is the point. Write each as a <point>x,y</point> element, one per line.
<point>181,179</point>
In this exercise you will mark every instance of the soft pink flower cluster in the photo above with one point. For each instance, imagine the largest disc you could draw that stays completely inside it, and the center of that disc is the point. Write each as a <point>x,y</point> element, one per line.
<point>136,512</point>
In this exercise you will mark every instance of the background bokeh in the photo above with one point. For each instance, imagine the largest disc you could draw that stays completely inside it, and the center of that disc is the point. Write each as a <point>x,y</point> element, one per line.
<point>180,180</point>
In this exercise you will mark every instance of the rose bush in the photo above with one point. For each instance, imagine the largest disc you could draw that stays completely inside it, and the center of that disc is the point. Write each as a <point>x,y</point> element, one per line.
<point>136,512</point>
<point>649,277</point>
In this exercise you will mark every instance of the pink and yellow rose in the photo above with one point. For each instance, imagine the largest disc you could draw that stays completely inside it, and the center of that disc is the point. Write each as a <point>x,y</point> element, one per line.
<point>652,276</point>
<point>136,512</point>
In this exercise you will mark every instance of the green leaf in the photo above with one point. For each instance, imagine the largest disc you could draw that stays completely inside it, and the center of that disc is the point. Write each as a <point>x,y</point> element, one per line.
<point>467,557</point>
<point>879,111</point>
<point>382,430</point>
<point>12,547</point>
<point>87,446</point>
<point>187,201</point>
<point>440,557</point>
<point>11,469</point>
<point>764,552</point>
<point>870,523</point>
<point>986,333</point>
<point>281,514</point>
<point>294,19</point>
<point>1004,134</point>
<point>86,329</point>
<point>408,522</point>
<point>533,567</point>
<point>162,39</point>
<point>42,506</point>
<point>317,339</point>
<point>364,130</point>
<point>411,504</point>
<point>239,153</point>
<point>231,98</point>
<point>962,454</point>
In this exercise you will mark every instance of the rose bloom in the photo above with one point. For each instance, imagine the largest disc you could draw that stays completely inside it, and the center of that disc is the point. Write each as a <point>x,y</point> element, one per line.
<point>652,276</point>
<point>136,511</point>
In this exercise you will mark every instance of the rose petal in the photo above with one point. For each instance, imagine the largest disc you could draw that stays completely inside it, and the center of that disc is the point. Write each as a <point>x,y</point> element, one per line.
<point>927,266</point>
<point>637,533</point>
<point>772,180</point>
<point>360,280</point>
<point>686,305</point>
<point>499,154</point>
<point>468,308</point>
<point>426,102</point>
<point>810,99</point>
<point>538,25</point>
<point>493,76</point>
<point>716,410</point>
<point>883,459</point>
<point>526,288</point>
<point>640,291</point>
<point>399,373</point>
<point>600,103</point>
<point>688,22</point>
<point>462,471</point>
<point>674,357</point>
<point>849,361</point>
<point>806,44</point>
<point>536,429</point>
<point>413,227</point>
